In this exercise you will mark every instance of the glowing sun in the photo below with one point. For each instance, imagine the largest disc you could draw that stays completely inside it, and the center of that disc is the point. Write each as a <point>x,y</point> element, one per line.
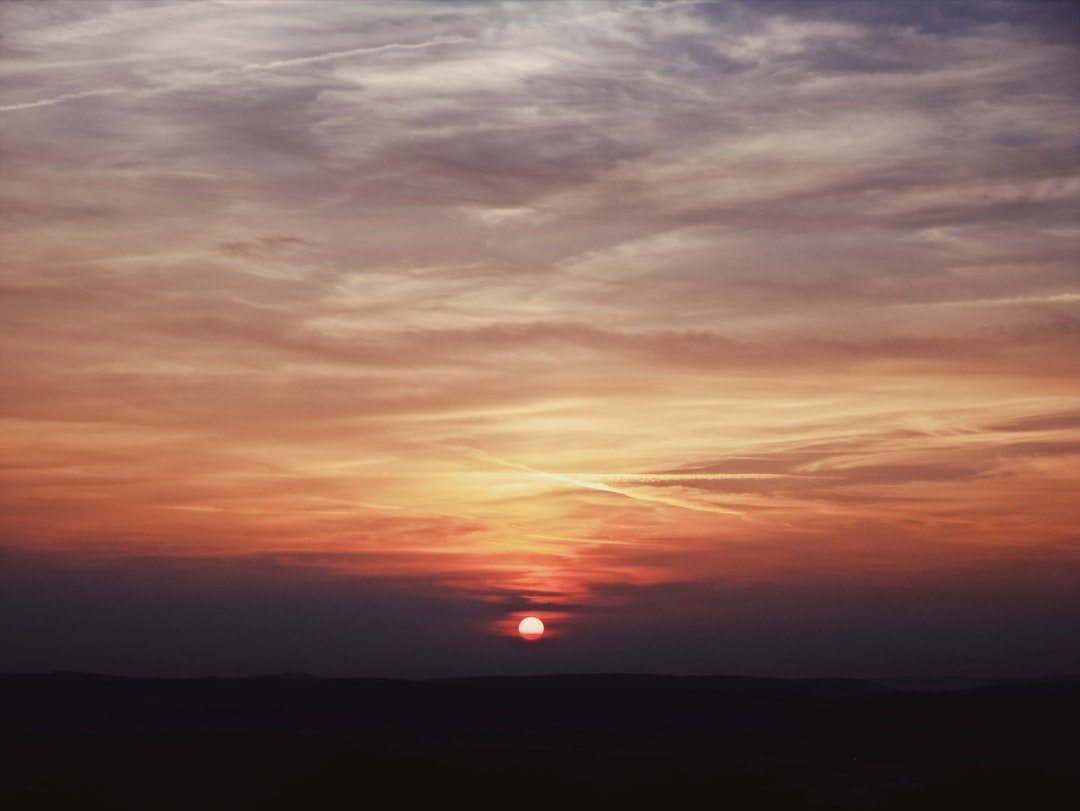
<point>531,628</point>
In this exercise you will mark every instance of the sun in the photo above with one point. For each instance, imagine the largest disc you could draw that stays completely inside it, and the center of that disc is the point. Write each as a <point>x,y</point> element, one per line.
<point>531,628</point>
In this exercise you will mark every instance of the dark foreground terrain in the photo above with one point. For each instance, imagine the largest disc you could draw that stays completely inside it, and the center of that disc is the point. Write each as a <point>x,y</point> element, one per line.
<point>93,742</point>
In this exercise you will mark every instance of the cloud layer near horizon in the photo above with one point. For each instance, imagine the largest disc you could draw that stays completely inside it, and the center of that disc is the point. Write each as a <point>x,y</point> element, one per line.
<point>543,303</point>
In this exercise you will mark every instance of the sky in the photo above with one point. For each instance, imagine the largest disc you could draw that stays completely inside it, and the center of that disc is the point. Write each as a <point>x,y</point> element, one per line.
<point>724,337</point>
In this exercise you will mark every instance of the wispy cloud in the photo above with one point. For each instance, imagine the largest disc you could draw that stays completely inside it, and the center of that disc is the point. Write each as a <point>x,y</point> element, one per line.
<point>48,102</point>
<point>333,55</point>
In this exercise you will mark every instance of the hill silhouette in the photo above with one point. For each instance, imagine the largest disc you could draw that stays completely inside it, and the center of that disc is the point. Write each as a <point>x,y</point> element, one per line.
<point>294,740</point>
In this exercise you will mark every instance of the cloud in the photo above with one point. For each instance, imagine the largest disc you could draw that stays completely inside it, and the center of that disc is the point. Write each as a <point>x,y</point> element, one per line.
<point>332,55</point>
<point>263,246</point>
<point>86,94</point>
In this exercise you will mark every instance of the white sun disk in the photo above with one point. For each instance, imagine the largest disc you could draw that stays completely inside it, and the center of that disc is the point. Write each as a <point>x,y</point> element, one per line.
<point>531,628</point>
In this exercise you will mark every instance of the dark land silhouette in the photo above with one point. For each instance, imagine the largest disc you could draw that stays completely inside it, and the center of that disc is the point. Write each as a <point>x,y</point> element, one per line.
<point>292,740</point>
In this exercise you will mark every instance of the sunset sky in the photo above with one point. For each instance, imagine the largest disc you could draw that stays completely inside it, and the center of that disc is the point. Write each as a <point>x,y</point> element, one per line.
<point>725,338</point>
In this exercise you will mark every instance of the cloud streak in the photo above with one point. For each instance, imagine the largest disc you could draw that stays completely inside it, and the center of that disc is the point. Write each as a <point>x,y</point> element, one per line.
<point>334,55</point>
<point>85,94</point>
